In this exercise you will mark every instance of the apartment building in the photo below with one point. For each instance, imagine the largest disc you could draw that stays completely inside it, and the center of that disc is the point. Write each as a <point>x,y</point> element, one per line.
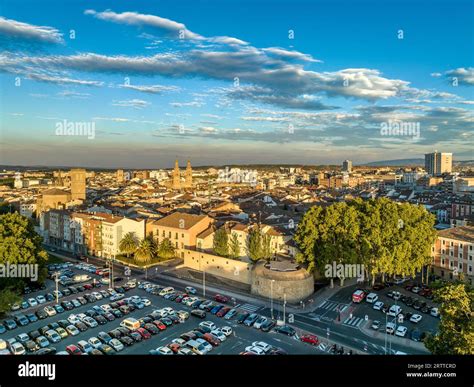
<point>114,229</point>
<point>180,228</point>
<point>453,253</point>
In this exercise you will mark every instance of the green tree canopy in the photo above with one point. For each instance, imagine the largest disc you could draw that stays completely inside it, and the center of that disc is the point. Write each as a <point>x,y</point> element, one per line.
<point>166,249</point>
<point>128,244</point>
<point>145,251</point>
<point>8,297</point>
<point>20,244</point>
<point>456,329</point>
<point>221,242</point>
<point>387,237</point>
<point>234,246</point>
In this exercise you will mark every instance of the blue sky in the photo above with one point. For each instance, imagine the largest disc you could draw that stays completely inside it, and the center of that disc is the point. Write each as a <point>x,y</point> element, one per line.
<point>305,82</point>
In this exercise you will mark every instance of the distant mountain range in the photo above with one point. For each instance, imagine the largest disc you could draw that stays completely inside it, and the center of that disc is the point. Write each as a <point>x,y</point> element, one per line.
<point>412,162</point>
<point>382,163</point>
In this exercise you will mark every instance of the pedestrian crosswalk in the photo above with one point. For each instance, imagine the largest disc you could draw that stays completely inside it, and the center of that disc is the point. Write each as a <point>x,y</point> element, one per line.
<point>353,321</point>
<point>332,306</point>
<point>249,308</point>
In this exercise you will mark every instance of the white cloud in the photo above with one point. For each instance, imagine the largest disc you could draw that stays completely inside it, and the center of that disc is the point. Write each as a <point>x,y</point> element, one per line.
<point>16,29</point>
<point>135,103</point>
<point>153,89</point>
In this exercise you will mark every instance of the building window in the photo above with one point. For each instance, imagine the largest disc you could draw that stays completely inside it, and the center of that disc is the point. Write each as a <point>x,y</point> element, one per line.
<point>460,266</point>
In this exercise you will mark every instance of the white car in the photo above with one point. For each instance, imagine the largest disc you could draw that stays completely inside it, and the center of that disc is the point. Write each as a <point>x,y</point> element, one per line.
<point>84,346</point>
<point>41,299</point>
<point>220,335</point>
<point>396,295</point>
<point>390,328</point>
<point>95,342</point>
<point>416,289</point>
<point>50,311</point>
<point>255,350</point>
<point>164,351</point>
<point>261,344</point>
<point>90,322</point>
<point>178,341</point>
<point>401,331</point>
<point>208,324</point>
<point>226,330</point>
<point>183,314</point>
<point>378,305</point>
<point>371,298</point>
<point>190,300</point>
<point>105,307</point>
<point>32,301</point>
<point>17,349</point>
<point>146,302</point>
<point>434,312</point>
<point>207,346</point>
<point>190,290</point>
<point>260,321</point>
<point>117,345</point>
<point>394,310</point>
<point>72,330</point>
<point>168,310</point>
<point>185,351</point>
<point>416,318</point>
<point>97,295</point>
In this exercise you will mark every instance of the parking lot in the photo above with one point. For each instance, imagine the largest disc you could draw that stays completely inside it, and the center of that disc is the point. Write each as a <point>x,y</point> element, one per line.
<point>355,314</point>
<point>239,338</point>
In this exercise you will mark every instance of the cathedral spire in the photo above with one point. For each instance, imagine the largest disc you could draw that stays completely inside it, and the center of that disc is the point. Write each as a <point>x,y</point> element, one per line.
<point>188,181</point>
<point>176,176</point>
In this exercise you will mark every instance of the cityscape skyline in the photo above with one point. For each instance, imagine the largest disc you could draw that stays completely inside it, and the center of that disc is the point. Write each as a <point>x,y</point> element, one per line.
<point>168,81</point>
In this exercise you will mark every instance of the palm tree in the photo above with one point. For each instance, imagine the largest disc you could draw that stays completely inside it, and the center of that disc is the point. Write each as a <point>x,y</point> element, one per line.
<point>145,251</point>
<point>165,249</point>
<point>128,243</point>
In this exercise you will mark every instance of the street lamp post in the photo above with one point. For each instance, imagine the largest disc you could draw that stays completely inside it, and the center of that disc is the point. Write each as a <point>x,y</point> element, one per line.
<point>204,282</point>
<point>271,296</point>
<point>284,307</point>
<point>56,276</point>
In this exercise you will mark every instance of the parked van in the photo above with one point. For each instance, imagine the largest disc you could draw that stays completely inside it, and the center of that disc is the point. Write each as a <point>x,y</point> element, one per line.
<point>130,323</point>
<point>394,311</point>
<point>358,296</point>
<point>196,347</point>
<point>166,291</point>
<point>81,278</point>
<point>371,298</point>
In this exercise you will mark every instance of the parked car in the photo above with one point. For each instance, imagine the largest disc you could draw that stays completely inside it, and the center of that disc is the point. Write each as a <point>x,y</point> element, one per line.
<point>267,326</point>
<point>198,313</point>
<point>250,320</point>
<point>401,331</point>
<point>375,325</point>
<point>190,290</point>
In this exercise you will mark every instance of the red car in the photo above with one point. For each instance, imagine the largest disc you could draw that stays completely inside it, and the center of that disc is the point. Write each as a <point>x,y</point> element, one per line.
<point>310,339</point>
<point>222,312</point>
<point>220,298</point>
<point>73,350</point>
<point>211,340</point>
<point>88,286</point>
<point>174,347</point>
<point>144,333</point>
<point>159,325</point>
